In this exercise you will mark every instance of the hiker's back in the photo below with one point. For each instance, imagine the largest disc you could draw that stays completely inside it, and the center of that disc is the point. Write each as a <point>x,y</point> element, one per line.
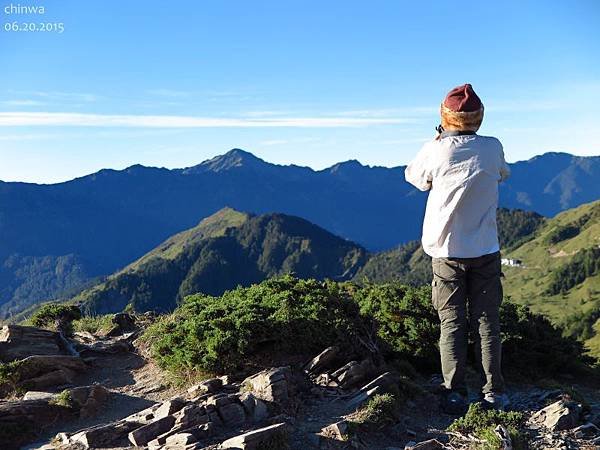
<point>461,210</point>
<point>467,155</point>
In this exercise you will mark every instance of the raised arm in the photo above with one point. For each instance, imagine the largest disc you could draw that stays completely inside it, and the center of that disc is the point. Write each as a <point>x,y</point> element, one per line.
<point>504,169</point>
<point>418,172</point>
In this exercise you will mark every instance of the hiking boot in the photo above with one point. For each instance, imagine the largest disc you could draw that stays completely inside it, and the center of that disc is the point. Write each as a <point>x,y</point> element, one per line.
<point>493,400</point>
<point>454,403</point>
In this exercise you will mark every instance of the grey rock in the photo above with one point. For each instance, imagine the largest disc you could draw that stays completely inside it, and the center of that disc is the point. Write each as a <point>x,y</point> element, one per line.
<point>42,371</point>
<point>89,399</point>
<point>257,439</point>
<point>219,400</point>
<point>378,385</point>
<point>504,439</point>
<point>560,415</point>
<point>169,407</point>
<point>255,408</point>
<point>210,386</point>
<point>191,414</point>
<point>19,342</point>
<point>322,361</point>
<point>199,431</point>
<point>125,321</point>
<point>101,435</point>
<point>337,431</point>
<point>431,444</point>
<point>362,397</point>
<point>59,377</point>
<point>587,430</point>
<point>272,385</point>
<point>181,439</point>
<point>30,416</point>
<point>215,419</point>
<point>38,395</point>
<point>119,344</point>
<point>146,433</point>
<point>232,414</point>
<point>144,416</point>
<point>38,364</point>
<point>353,373</point>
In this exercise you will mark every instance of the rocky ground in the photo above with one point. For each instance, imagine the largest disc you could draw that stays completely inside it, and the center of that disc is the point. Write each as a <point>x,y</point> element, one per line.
<point>93,391</point>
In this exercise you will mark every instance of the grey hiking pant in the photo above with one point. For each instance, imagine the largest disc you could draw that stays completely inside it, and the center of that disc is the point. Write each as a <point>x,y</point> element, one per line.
<point>467,292</point>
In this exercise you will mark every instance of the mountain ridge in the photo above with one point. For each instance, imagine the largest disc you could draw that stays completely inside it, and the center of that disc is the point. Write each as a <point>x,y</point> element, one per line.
<point>110,218</point>
<point>225,161</point>
<point>227,249</point>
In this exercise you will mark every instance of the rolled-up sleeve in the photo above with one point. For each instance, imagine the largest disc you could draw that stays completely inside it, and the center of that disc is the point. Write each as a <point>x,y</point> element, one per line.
<point>418,173</point>
<point>504,169</point>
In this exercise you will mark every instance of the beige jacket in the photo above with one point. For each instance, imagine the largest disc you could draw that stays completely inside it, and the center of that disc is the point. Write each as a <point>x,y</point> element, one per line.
<point>462,173</point>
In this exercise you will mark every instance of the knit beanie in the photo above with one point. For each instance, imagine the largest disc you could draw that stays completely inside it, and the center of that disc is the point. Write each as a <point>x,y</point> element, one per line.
<point>463,99</point>
<point>462,109</point>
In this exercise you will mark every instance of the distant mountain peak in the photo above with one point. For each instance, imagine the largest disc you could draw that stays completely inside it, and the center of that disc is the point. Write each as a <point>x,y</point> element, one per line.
<point>351,164</point>
<point>232,159</point>
<point>226,214</point>
<point>212,226</point>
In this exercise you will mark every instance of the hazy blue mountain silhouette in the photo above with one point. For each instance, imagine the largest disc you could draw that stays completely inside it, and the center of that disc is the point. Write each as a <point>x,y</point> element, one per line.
<point>107,219</point>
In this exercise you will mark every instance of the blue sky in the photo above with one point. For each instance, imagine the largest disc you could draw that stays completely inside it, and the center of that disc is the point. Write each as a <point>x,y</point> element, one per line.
<point>306,82</point>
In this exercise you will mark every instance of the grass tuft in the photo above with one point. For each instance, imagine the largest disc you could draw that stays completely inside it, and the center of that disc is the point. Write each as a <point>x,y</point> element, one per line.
<point>63,399</point>
<point>94,324</point>
<point>379,411</point>
<point>481,423</point>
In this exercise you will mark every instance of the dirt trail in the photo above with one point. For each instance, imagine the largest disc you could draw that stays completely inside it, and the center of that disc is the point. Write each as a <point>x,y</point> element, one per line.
<point>134,382</point>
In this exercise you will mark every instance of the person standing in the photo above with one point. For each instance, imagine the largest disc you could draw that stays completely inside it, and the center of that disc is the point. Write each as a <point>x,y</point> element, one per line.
<point>461,170</point>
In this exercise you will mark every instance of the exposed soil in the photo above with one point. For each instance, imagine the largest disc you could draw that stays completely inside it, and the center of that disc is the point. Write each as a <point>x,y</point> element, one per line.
<point>136,383</point>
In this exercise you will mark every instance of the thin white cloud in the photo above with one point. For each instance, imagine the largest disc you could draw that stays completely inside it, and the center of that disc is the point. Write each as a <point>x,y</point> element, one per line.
<point>98,133</point>
<point>15,119</point>
<point>267,113</point>
<point>24,102</point>
<point>26,137</point>
<point>72,96</point>
<point>490,106</point>
<point>390,112</point>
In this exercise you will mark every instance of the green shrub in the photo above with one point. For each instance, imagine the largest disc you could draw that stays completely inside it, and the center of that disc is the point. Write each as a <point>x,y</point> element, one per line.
<point>531,344</point>
<point>219,333</point>
<point>481,423</point>
<point>47,314</point>
<point>580,325</point>
<point>515,226</point>
<point>10,375</point>
<point>586,263</point>
<point>405,319</point>
<point>301,317</point>
<point>561,233</point>
<point>9,372</point>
